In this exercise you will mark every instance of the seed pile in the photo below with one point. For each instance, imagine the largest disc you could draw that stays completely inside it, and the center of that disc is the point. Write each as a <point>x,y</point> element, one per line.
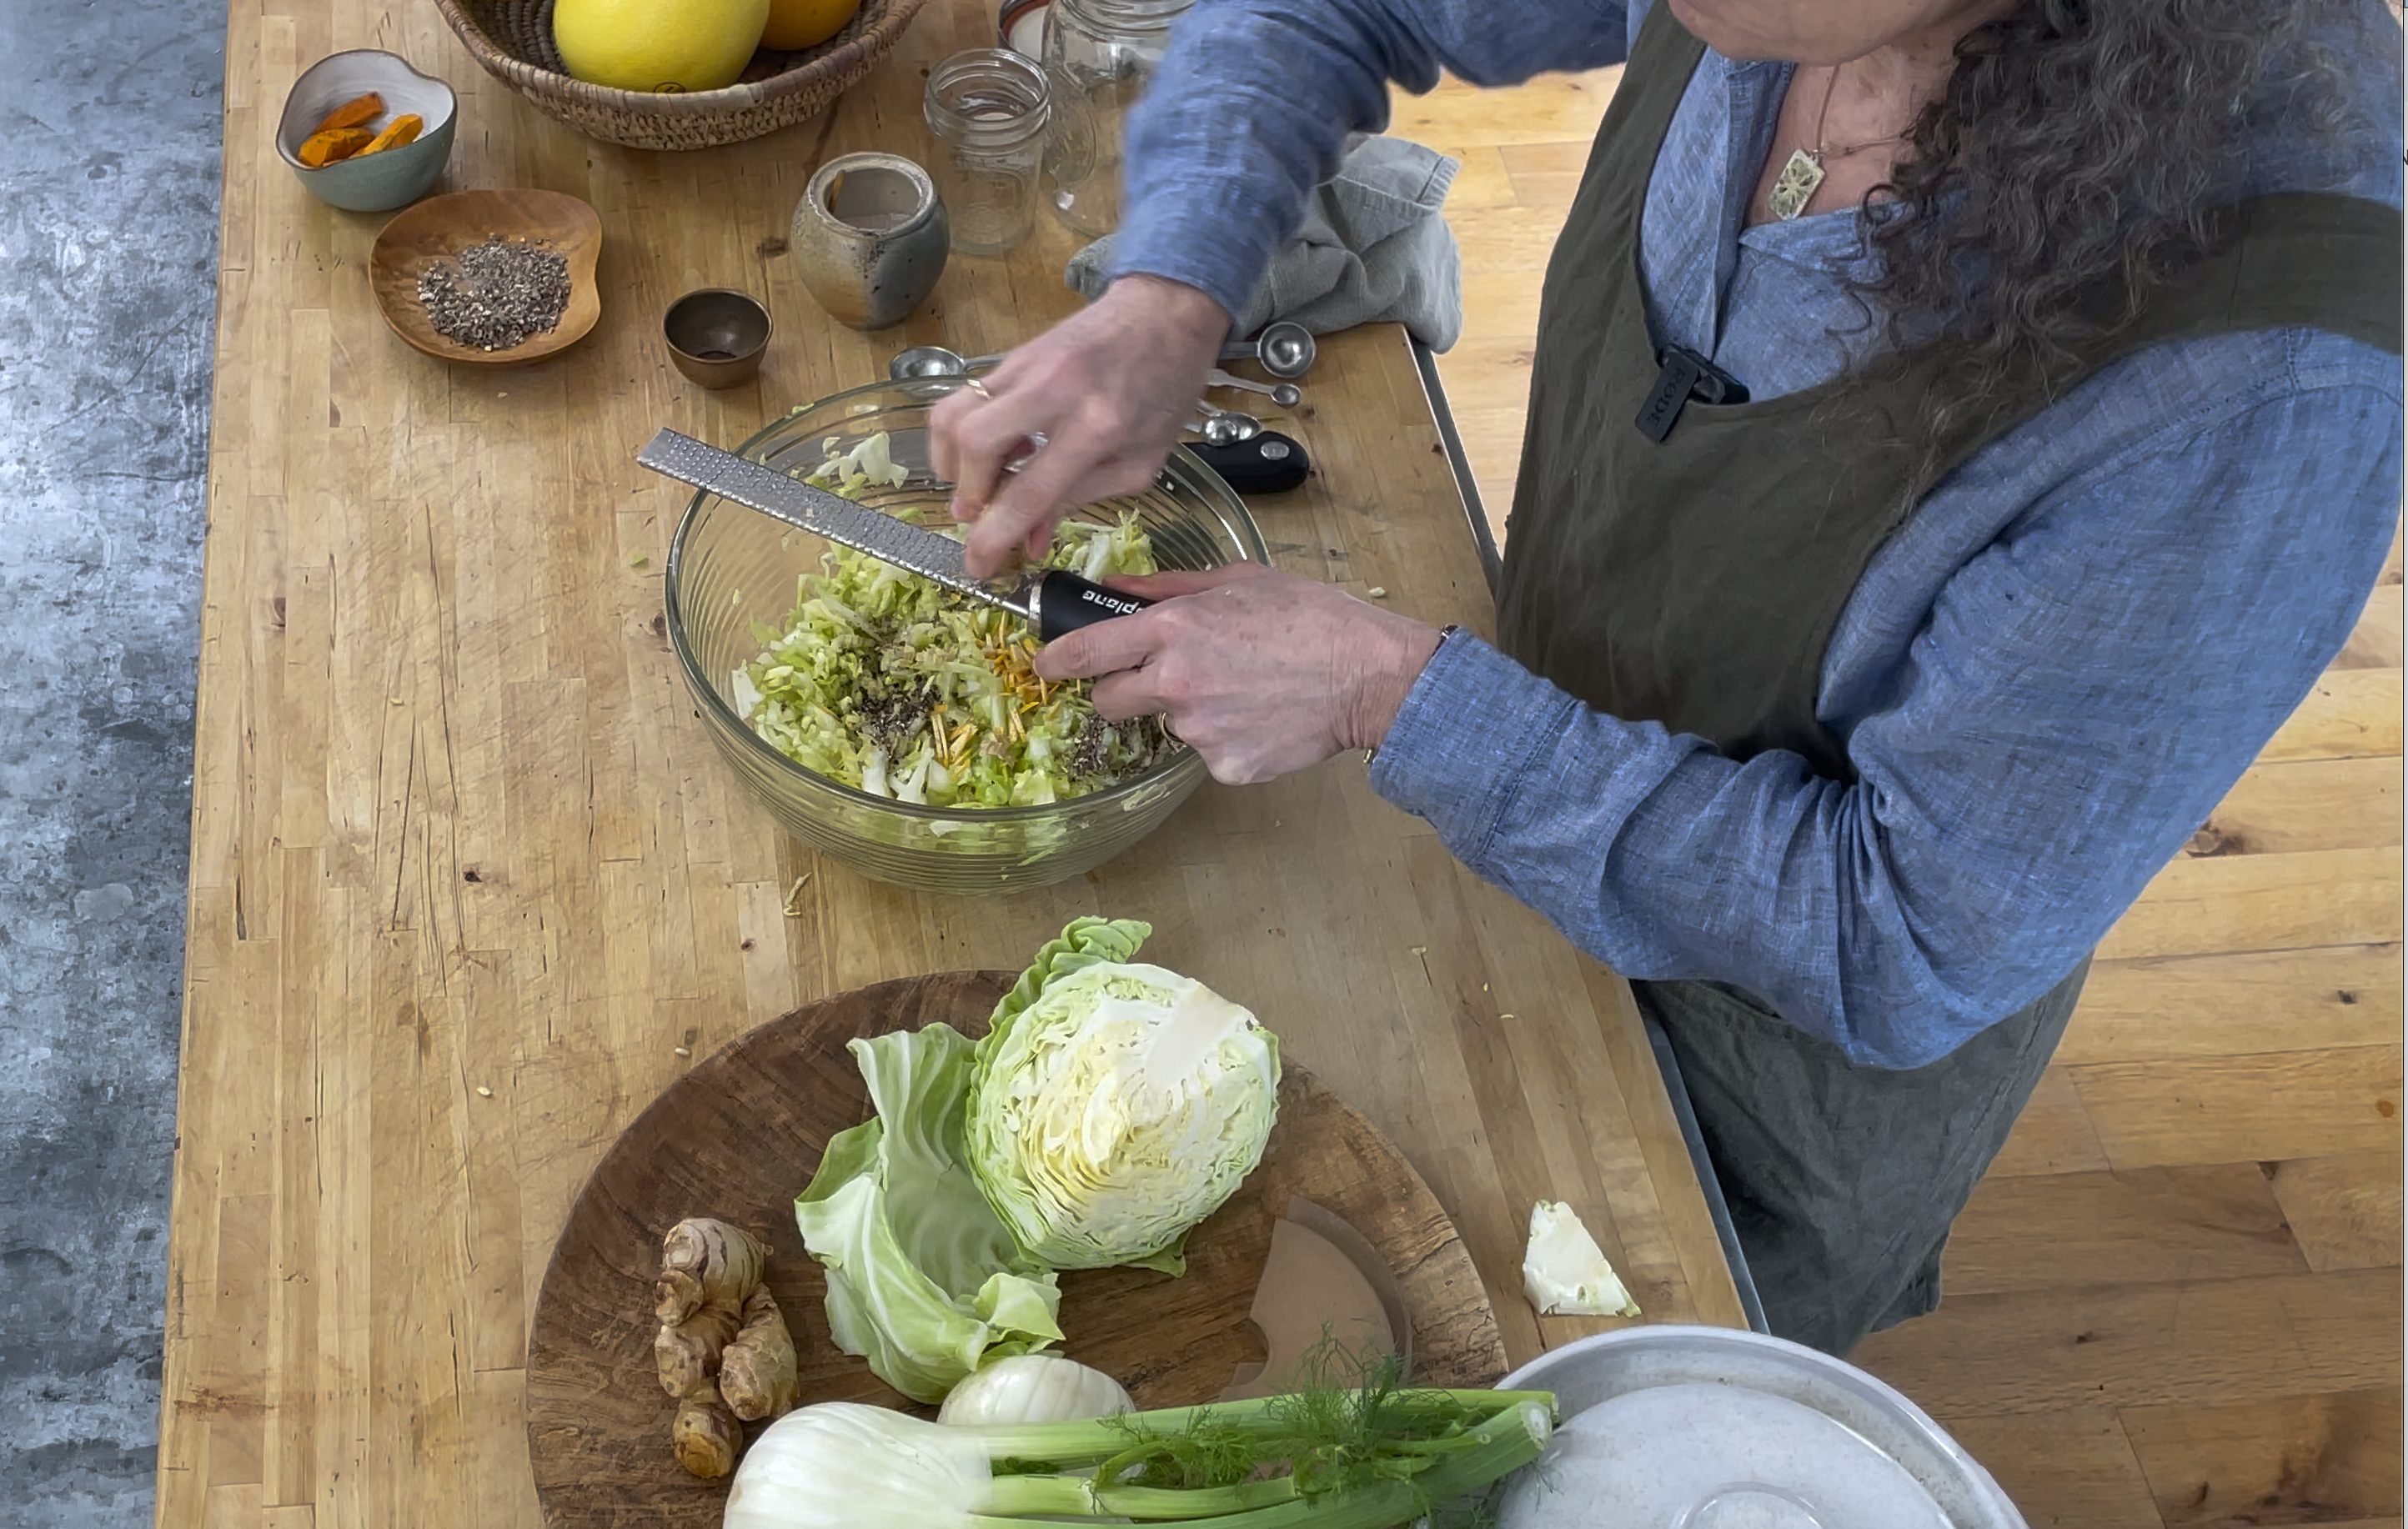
<point>496,296</point>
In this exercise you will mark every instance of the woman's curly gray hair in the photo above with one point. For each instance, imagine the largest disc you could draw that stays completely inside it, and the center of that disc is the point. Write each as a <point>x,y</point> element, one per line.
<point>2079,142</point>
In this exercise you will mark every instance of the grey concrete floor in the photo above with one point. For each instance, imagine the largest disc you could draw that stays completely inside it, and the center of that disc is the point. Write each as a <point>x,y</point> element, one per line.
<point>108,223</point>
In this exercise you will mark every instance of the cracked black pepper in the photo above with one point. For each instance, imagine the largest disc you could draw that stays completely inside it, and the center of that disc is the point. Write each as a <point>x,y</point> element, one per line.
<point>496,296</point>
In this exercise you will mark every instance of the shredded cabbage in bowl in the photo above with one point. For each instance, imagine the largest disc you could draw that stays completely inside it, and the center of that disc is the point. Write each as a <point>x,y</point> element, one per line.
<point>903,689</point>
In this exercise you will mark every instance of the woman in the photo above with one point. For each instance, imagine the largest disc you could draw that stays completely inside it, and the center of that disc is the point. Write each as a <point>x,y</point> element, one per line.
<point>1960,432</point>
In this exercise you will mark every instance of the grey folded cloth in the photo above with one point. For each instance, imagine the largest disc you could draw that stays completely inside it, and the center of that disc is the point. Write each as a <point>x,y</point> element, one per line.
<point>1372,248</point>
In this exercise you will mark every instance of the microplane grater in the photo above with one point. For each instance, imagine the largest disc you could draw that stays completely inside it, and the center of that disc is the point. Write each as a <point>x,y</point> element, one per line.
<point>814,509</point>
<point>1053,602</point>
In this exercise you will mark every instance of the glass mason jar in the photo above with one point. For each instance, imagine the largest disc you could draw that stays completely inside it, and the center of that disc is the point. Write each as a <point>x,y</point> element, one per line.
<point>989,108</point>
<point>1099,54</point>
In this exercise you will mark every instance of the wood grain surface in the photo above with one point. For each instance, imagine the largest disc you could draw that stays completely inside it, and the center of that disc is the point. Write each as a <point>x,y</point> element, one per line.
<point>738,1138</point>
<point>470,887</point>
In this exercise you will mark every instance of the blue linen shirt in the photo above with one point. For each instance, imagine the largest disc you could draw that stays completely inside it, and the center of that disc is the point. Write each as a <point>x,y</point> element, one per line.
<point>2045,680</point>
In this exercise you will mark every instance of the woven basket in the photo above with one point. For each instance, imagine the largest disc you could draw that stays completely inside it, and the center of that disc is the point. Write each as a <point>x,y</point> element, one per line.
<point>512,40</point>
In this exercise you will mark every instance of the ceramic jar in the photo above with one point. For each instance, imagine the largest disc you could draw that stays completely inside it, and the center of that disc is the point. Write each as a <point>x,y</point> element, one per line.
<point>870,238</point>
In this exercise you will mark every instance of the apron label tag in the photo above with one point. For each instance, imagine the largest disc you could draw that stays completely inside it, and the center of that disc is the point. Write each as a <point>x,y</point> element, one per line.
<point>1685,374</point>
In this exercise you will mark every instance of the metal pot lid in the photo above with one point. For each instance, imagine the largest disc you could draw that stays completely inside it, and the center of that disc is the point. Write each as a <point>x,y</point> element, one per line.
<point>1708,1428</point>
<point>1708,1456</point>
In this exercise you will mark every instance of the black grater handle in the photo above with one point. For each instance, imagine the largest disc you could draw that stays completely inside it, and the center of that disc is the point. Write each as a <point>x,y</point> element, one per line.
<point>1061,603</point>
<point>1267,462</point>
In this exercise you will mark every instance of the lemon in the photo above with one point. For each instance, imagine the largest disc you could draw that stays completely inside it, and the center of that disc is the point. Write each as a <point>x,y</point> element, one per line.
<point>806,23</point>
<point>658,45</point>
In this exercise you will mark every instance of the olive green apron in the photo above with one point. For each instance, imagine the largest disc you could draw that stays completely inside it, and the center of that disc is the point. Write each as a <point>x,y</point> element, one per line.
<point>1688,568</point>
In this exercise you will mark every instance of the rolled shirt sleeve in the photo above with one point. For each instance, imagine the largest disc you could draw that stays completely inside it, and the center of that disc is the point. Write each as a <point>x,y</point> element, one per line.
<point>1251,108</point>
<point>2079,697</point>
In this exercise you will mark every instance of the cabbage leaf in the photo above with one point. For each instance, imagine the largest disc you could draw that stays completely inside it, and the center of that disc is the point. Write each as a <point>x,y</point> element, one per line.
<point>1082,943</point>
<point>923,1279</point>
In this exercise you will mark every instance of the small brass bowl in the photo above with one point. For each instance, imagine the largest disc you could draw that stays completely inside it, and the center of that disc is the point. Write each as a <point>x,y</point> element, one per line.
<point>716,337</point>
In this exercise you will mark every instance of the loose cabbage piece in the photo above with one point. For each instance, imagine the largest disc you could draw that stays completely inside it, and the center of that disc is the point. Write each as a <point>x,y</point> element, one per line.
<point>923,1280</point>
<point>1117,1108</point>
<point>1565,1272</point>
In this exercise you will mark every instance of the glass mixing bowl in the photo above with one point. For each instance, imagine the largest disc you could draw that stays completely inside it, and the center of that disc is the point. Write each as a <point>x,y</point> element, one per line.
<point>730,566</point>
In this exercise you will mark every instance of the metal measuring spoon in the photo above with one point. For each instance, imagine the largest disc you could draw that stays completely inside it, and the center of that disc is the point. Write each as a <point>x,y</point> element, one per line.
<point>1226,429</point>
<point>934,361</point>
<point>1285,394</point>
<point>1247,426</point>
<point>1285,350</point>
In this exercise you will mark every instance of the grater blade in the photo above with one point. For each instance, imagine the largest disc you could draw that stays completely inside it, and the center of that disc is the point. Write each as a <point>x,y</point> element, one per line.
<point>821,513</point>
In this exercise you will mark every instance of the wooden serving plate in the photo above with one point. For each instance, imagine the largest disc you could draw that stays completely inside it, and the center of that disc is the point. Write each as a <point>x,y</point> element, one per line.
<point>739,1136</point>
<point>441,226</point>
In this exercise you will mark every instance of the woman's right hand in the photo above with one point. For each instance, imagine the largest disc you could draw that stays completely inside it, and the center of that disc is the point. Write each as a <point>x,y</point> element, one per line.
<point>1108,388</point>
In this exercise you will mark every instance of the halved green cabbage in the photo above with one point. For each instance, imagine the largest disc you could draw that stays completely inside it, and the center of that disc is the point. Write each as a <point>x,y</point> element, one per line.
<point>1117,1105</point>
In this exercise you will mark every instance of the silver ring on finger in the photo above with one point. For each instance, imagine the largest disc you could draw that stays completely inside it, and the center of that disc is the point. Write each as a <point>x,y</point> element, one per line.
<point>1030,444</point>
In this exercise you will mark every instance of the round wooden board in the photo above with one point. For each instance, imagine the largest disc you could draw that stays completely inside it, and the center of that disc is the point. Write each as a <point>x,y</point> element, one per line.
<point>739,1136</point>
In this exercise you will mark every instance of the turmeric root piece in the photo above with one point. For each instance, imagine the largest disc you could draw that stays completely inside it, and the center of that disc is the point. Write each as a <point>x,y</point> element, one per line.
<point>688,1353</point>
<point>705,1262</point>
<point>358,111</point>
<point>321,150</point>
<point>401,130</point>
<point>706,1435</point>
<point>757,1373</point>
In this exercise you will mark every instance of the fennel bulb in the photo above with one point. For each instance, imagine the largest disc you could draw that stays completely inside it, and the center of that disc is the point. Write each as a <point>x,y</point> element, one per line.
<point>849,1465</point>
<point>1034,1388</point>
<point>1365,1457</point>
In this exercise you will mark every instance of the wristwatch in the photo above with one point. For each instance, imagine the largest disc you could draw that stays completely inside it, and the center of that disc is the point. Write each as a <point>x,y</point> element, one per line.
<point>1445,632</point>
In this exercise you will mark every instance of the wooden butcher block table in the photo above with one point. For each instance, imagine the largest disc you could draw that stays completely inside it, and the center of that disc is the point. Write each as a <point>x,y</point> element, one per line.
<point>470,887</point>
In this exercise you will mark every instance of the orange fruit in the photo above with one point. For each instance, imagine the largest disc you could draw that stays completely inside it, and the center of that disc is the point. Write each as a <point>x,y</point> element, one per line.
<point>806,23</point>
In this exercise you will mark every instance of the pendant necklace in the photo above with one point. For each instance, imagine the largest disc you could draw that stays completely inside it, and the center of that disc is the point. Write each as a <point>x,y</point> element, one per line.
<point>1805,171</point>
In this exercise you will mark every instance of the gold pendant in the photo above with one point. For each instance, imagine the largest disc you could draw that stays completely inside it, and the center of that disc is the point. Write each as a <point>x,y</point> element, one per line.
<point>1796,187</point>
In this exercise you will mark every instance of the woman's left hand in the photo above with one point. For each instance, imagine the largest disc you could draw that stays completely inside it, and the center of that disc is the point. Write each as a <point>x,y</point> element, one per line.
<point>1260,672</point>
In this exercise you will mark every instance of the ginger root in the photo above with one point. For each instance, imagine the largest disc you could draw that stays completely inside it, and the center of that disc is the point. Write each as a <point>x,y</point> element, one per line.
<point>757,1374</point>
<point>705,1435</point>
<point>723,1351</point>
<point>707,1263</point>
<point>688,1353</point>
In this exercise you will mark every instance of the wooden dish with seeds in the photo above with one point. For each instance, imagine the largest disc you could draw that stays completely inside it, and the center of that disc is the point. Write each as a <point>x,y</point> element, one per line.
<point>438,230</point>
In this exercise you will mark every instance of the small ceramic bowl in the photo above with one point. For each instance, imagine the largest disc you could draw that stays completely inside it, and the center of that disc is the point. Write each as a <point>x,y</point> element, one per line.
<point>716,337</point>
<point>390,178</point>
